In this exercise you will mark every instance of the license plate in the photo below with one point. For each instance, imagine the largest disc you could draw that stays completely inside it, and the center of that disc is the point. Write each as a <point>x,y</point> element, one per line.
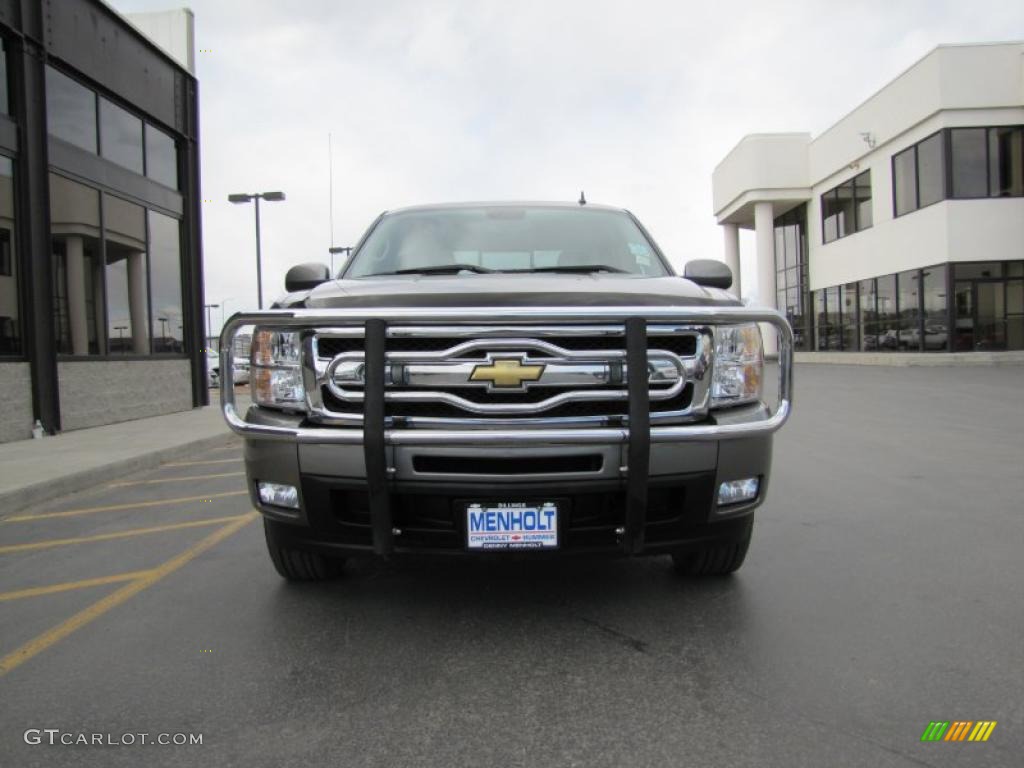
<point>512,525</point>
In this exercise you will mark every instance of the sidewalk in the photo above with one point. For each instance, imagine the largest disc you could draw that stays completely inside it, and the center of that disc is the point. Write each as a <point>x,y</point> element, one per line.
<point>35,471</point>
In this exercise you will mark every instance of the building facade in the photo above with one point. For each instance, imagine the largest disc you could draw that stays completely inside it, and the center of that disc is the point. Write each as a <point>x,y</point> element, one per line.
<point>100,260</point>
<point>901,227</point>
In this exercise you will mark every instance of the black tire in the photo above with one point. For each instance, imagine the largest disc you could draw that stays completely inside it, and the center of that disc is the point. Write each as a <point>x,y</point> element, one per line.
<point>714,559</point>
<point>299,565</point>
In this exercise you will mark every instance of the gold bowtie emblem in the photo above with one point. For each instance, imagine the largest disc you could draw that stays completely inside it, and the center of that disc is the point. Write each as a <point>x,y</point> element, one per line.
<point>507,373</point>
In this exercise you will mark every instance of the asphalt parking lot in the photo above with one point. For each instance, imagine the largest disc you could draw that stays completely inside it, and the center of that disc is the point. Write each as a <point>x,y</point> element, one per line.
<point>883,590</point>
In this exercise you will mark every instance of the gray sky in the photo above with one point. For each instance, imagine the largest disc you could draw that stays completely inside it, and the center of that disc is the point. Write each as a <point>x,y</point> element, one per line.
<point>438,101</point>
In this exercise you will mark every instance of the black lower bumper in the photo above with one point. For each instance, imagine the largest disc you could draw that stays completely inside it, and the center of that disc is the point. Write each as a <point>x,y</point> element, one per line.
<point>430,517</point>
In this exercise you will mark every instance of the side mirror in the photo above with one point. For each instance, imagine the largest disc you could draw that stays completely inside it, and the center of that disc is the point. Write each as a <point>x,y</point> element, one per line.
<point>302,277</point>
<point>713,274</point>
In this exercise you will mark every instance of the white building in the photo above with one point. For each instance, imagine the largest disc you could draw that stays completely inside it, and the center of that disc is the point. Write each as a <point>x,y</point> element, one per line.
<point>901,222</point>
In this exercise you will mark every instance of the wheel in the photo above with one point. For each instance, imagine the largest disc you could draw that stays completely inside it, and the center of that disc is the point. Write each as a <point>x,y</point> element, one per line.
<point>299,565</point>
<point>714,559</point>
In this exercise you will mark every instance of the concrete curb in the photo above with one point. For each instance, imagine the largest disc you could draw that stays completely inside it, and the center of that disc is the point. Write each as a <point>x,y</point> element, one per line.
<point>62,485</point>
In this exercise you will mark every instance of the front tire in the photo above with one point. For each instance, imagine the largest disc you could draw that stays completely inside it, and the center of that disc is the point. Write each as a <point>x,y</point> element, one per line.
<point>299,565</point>
<point>714,559</point>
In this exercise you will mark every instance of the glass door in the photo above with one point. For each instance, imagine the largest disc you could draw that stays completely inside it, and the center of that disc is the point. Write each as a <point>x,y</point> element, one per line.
<point>990,315</point>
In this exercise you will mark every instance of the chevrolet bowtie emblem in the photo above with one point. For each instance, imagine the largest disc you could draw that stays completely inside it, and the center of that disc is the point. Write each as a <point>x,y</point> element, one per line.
<point>507,373</point>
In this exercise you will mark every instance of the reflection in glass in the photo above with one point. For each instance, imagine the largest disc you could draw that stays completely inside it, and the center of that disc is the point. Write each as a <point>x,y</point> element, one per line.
<point>862,194</point>
<point>931,176</point>
<point>120,136</point>
<point>70,110</point>
<point>1015,314</point>
<point>165,279</point>
<point>125,228</point>
<point>848,316</point>
<point>10,318</point>
<point>963,298</point>
<point>886,325</point>
<point>868,316</point>
<point>904,181</point>
<point>909,310</point>
<point>968,165</point>
<point>936,331</point>
<point>1006,162</point>
<point>979,269</point>
<point>5,105</point>
<point>161,157</point>
<point>77,269</point>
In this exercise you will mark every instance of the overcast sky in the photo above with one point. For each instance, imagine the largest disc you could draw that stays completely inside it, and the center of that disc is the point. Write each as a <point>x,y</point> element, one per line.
<point>438,101</point>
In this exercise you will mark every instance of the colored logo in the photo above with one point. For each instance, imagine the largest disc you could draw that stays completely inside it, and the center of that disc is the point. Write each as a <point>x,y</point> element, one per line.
<point>507,373</point>
<point>958,730</point>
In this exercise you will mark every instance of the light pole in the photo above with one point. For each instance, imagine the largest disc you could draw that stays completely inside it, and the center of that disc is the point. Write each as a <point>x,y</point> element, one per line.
<point>209,334</point>
<point>245,197</point>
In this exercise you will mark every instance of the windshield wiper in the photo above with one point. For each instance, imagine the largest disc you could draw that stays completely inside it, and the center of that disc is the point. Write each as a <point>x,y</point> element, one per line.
<point>437,269</point>
<point>574,268</point>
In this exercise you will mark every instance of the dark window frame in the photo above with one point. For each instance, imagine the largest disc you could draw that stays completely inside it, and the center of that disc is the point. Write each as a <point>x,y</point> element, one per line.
<point>857,225</point>
<point>947,171</point>
<point>104,344</point>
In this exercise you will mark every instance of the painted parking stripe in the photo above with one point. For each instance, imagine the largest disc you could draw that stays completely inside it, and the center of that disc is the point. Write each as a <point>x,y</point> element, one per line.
<point>192,479</point>
<point>50,543</point>
<point>67,586</point>
<point>200,463</point>
<point>38,644</point>
<point>119,507</point>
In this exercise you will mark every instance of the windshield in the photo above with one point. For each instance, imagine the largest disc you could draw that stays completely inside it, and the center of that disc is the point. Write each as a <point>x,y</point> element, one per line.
<point>506,239</point>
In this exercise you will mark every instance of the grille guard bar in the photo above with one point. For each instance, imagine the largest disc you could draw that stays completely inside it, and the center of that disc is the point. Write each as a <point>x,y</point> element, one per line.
<point>308,318</point>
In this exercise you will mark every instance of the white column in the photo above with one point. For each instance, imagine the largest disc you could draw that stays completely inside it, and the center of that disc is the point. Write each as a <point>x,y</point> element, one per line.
<point>78,316</point>
<point>137,302</point>
<point>764,227</point>
<point>732,255</point>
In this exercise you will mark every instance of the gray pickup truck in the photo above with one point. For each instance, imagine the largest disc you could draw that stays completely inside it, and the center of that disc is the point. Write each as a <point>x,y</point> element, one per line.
<point>494,378</point>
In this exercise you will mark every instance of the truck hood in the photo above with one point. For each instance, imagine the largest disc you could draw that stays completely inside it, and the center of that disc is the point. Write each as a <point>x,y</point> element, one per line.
<point>512,290</point>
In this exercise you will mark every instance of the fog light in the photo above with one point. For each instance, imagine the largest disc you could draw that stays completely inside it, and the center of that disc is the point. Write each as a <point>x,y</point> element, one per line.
<point>278,495</point>
<point>735,491</point>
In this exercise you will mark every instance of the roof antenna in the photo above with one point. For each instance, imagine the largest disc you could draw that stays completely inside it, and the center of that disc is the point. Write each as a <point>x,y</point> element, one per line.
<point>583,198</point>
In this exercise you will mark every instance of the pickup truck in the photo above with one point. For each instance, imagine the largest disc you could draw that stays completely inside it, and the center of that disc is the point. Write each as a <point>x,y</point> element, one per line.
<point>492,379</point>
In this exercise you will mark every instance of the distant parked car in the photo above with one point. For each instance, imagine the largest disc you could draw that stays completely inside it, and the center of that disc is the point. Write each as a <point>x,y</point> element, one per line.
<point>212,369</point>
<point>241,370</point>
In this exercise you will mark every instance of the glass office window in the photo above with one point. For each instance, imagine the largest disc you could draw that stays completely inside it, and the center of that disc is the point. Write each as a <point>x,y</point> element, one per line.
<point>969,164</point>
<point>161,157</point>
<point>931,175</point>
<point>1015,314</point>
<point>5,104</point>
<point>125,265</point>
<point>77,268</point>
<point>1006,162</point>
<point>70,110</point>
<point>979,269</point>
<point>120,136</point>
<point>936,326</point>
<point>10,315</point>
<point>165,271</point>
<point>886,326</point>
<point>848,316</point>
<point>909,308</point>
<point>904,173</point>
<point>868,316</point>
<point>862,195</point>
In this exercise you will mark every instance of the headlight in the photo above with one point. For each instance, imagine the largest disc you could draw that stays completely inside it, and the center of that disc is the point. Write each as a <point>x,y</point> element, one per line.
<point>276,377</point>
<point>738,365</point>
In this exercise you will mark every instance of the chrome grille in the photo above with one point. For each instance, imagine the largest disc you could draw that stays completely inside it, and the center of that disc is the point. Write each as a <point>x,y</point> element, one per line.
<point>469,376</point>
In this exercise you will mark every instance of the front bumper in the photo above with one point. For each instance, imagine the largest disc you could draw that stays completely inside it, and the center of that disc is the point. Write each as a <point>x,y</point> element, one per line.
<point>637,488</point>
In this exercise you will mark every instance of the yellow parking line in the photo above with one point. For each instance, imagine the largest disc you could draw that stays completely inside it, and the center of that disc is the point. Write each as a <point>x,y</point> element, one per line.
<point>69,585</point>
<point>37,645</point>
<point>117,507</point>
<point>174,479</point>
<point>199,463</point>
<point>115,535</point>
